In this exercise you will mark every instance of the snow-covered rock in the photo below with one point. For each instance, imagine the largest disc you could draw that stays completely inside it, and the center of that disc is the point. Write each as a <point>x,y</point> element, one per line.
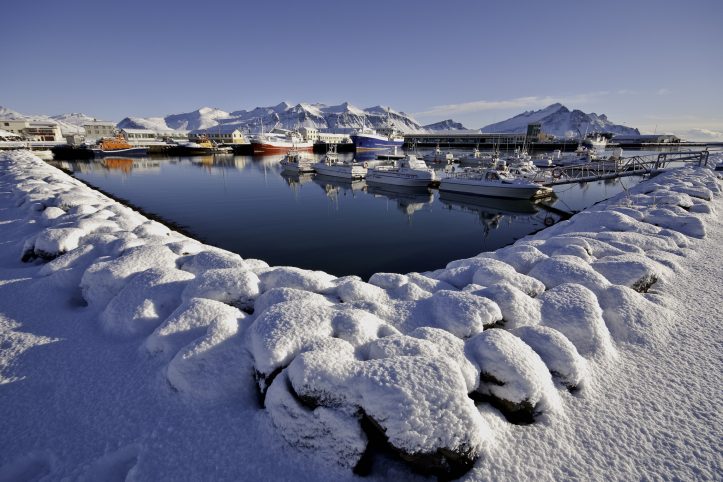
<point>512,376</point>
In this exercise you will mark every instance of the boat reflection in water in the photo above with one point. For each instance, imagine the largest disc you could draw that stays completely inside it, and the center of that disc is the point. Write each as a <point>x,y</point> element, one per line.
<point>295,179</point>
<point>122,164</point>
<point>409,199</point>
<point>492,210</point>
<point>335,186</point>
<point>126,164</point>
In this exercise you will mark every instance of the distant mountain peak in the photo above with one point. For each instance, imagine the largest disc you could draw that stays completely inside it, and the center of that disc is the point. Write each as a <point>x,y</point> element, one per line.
<point>446,125</point>
<point>559,121</point>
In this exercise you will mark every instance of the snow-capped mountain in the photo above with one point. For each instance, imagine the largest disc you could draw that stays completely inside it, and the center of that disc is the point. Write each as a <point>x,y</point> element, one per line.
<point>202,118</point>
<point>156,124</point>
<point>445,125</point>
<point>559,121</point>
<point>6,113</point>
<point>337,118</point>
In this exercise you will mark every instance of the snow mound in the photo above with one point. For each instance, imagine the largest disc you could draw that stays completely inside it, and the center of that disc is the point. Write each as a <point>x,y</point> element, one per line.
<point>106,278</point>
<point>559,270</point>
<point>145,300</point>
<point>418,404</point>
<point>632,318</point>
<point>53,242</point>
<point>558,353</point>
<point>512,376</point>
<point>635,271</point>
<point>235,286</point>
<point>517,308</point>
<point>331,436</point>
<point>285,277</point>
<point>212,259</point>
<point>187,323</point>
<point>573,310</point>
<point>214,367</point>
<point>463,314</point>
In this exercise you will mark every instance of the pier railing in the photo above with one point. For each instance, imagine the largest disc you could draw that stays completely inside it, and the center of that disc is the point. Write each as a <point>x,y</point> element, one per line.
<point>621,167</point>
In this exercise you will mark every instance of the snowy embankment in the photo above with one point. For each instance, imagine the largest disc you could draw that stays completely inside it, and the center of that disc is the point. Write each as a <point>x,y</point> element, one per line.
<point>414,368</point>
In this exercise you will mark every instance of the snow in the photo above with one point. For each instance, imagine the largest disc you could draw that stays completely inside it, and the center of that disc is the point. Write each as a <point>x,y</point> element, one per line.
<point>463,314</point>
<point>558,120</point>
<point>574,311</point>
<point>129,355</point>
<point>512,374</point>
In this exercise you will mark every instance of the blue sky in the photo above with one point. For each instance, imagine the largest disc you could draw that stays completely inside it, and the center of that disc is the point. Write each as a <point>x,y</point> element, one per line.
<point>656,65</point>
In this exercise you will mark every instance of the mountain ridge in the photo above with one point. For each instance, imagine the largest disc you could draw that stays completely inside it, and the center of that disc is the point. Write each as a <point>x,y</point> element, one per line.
<point>559,121</point>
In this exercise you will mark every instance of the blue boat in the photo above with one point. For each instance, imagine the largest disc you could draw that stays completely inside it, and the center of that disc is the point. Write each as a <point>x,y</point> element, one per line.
<point>369,139</point>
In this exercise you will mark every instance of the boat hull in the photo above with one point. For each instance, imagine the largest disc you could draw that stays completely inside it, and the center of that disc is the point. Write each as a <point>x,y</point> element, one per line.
<point>132,151</point>
<point>510,191</point>
<point>341,172</point>
<point>264,148</point>
<point>298,168</point>
<point>369,143</point>
<point>396,179</point>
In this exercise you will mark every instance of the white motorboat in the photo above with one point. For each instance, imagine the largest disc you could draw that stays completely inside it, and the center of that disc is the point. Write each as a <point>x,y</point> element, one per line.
<point>295,162</point>
<point>491,182</point>
<point>525,169</point>
<point>332,166</point>
<point>408,171</point>
<point>477,158</point>
<point>518,156</point>
<point>438,156</point>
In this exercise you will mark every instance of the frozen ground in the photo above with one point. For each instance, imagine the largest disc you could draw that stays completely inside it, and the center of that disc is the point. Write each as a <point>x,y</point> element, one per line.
<point>591,350</point>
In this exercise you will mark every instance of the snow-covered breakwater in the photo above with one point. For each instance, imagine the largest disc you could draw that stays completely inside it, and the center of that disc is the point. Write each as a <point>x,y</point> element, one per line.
<point>398,360</point>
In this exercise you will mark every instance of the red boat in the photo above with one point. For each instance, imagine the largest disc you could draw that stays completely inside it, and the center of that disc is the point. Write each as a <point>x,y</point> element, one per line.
<point>280,143</point>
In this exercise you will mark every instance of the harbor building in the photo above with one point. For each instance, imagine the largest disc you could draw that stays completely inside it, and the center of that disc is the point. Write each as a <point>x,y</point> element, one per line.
<point>316,136</point>
<point>466,139</point>
<point>140,137</point>
<point>641,139</point>
<point>30,130</point>
<point>220,134</point>
<point>98,129</point>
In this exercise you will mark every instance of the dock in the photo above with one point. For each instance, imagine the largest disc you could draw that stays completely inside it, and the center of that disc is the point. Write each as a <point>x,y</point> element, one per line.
<point>617,168</point>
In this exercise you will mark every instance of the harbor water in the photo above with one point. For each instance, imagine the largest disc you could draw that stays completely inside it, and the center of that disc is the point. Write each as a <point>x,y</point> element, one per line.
<point>247,205</point>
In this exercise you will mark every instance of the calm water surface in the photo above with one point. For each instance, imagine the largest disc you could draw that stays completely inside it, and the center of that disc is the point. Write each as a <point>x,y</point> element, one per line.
<point>247,205</point>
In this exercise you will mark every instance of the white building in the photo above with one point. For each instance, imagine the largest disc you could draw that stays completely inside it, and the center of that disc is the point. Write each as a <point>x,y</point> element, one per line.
<point>310,134</point>
<point>314,135</point>
<point>220,135</point>
<point>329,138</point>
<point>140,137</point>
<point>33,130</point>
<point>99,129</point>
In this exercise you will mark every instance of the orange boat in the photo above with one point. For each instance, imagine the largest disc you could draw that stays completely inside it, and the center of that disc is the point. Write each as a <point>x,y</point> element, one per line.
<point>114,146</point>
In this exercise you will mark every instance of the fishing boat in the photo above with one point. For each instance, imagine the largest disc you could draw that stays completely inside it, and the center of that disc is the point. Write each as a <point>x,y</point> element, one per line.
<point>201,147</point>
<point>595,141</point>
<point>280,141</point>
<point>385,137</point>
<point>408,171</point>
<point>495,183</point>
<point>368,139</point>
<point>438,156</point>
<point>117,146</point>
<point>295,162</point>
<point>331,166</point>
